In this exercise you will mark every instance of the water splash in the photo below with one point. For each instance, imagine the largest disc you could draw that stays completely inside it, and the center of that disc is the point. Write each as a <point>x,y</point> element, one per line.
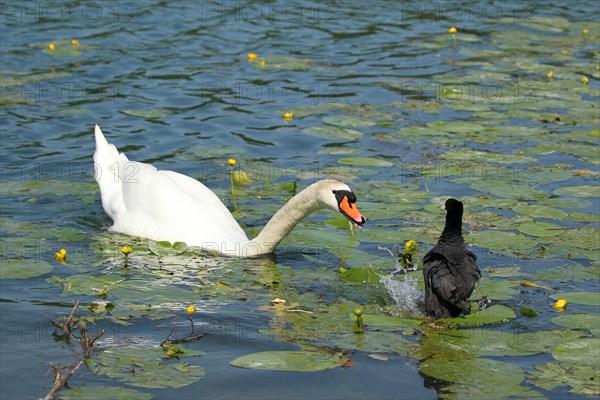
<point>404,292</point>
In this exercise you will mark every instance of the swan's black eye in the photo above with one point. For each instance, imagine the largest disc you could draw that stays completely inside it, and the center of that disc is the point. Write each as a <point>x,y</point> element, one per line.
<point>334,191</point>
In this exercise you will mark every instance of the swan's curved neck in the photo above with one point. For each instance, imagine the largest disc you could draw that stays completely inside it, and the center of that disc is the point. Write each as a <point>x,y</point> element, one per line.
<point>284,220</point>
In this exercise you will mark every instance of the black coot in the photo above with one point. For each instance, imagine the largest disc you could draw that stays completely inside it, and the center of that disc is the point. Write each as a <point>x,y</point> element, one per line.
<point>449,269</point>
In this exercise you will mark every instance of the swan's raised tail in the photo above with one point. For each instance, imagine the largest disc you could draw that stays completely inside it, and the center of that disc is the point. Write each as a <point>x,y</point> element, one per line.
<point>107,163</point>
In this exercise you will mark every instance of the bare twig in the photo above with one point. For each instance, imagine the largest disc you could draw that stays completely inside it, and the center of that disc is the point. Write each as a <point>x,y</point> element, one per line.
<point>190,338</point>
<point>62,374</point>
<point>60,380</point>
<point>66,327</point>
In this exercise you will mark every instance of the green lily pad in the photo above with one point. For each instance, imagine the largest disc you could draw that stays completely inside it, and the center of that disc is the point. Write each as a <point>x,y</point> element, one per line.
<point>579,191</point>
<point>348,121</point>
<point>505,272</point>
<point>89,285</point>
<point>491,315</point>
<point>504,382</point>
<point>538,342</point>
<point>578,321</point>
<point>144,367</point>
<point>585,351</point>
<point>373,342</point>
<point>365,162</point>
<point>19,268</point>
<point>586,298</point>
<point>333,132</point>
<point>501,241</point>
<point>539,211</point>
<point>103,393</point>
<point>572,273</point>
<point>471,155</point>
<point>150,114</point>
<point>283,64</point>
<point>384,320</point>
<point>581,379</point>
<point>301,361</point>
<point>361,275</point>
<point>540,229</point>
<point>165,248</point>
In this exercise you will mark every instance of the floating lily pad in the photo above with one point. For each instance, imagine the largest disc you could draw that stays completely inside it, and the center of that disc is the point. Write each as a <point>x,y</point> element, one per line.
<point>165,248</point>
<point>501,241</point>
<point>491,315</point>
<point>301,361</point>
<point>150,114</point>
<point>20,268</point>
<point>332,132</point>
<point>103,393</point>
<point>539,211</point>
<point>504,382</point>
<point>384,320</point>
<point>361,275</point>
<point>348,121</point>
<point>144,367</point>
<point>581,379</point>
<point>284,63</point>
<point>579,191</point>
<point>89,285</point>
<point>365,162</point>
<point>586,298</point>
<point>374,342</point>
<point>585,351</point>
<point>578,321</point>
<point>540,229</point>
<point>476,155</point>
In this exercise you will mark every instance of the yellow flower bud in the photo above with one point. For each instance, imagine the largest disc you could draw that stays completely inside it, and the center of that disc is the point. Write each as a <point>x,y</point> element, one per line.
<point>452,30</point>
<point>190,309</point>
<point>60,255</point>
<point>51,46</point>
<point>126,249</point>
<point>410,246</point>
<point>586,32</point>
<point>232,161</point>
<point>252,57</point>
<point>74,42</point>
<point>550,75</point>
<point>585,80</point>
<point>288,116</point>
<point>560,304</point>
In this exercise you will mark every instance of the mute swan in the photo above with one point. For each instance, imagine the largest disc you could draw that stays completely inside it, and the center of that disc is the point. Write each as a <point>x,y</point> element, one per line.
<point>449,269</point>
<point>166,205</point>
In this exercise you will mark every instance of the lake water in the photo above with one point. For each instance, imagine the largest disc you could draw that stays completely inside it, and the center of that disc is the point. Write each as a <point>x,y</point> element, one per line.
<point>383,97</point>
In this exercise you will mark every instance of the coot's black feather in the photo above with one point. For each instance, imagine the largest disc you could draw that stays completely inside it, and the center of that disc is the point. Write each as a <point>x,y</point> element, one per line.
<point>449,269</point>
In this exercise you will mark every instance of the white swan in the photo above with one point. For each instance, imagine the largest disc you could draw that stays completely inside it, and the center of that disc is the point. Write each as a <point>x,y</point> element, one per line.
<point>166,205</point>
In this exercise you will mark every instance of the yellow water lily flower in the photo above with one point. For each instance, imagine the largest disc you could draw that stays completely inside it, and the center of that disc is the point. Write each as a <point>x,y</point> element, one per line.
<point>410,246</point>
<point>452,30</point>
<point>74,42</point>
<point>52,47</point>
<point>60,255</point>
<point>252,57</point>
<point>232,161</point>
<point>288,116</point>
<point>126,249</point>
<point>550,75</point>
<point>560,304</point>
<point>585,32</point>
<point>190,309</point>
<point>585,80</point>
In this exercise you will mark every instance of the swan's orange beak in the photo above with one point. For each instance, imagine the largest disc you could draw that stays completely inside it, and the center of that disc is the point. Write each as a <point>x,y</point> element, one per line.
<point>348,208</point>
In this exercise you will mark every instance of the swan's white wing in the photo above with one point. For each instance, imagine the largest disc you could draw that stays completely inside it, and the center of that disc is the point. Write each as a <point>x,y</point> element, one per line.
<point>161,205</point>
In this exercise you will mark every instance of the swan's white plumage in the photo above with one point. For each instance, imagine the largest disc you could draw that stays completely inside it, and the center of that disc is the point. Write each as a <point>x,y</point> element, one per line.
<point>166,205</point>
